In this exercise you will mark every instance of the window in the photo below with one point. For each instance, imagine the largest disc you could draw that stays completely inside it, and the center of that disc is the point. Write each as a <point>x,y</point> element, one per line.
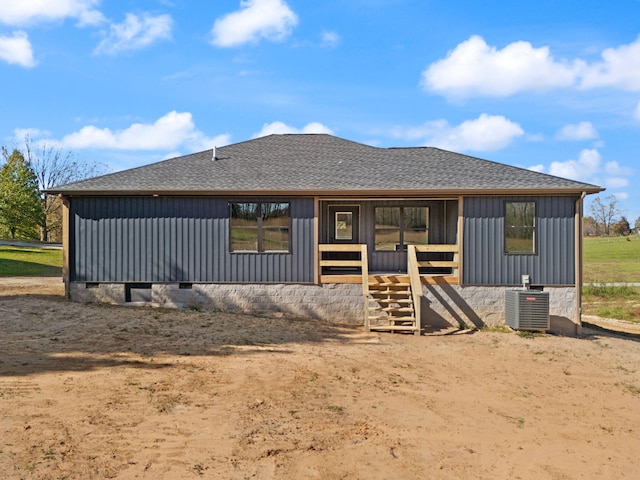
<point>397,227</point>
<point>387,228</point>
<point>416,226</point>
<point>344,225</point>
<point>260,227</point>
<point>519,227</point>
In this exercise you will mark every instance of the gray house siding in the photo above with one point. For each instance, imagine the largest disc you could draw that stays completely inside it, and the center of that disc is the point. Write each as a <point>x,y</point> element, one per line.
<point>443,218</point>
<point>178,239</point>
<point>485,262</point>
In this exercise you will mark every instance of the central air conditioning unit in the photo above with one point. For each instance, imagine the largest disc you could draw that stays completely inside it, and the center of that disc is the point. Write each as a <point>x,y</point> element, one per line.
<point>527,310</point>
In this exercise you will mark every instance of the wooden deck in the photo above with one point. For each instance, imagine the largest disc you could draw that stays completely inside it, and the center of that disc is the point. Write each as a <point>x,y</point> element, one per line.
<point>353,272</point>
<point>391,300</point>
<point>426,279</point>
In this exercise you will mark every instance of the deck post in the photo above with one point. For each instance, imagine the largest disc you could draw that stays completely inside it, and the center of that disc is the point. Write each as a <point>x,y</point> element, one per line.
<point>317,271</point>
<point>364,258</point>
<point>416,285</point>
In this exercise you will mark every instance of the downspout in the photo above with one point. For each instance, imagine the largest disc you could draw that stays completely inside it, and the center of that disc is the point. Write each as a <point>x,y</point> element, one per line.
<point>65,247</point>
<point>578,261</point>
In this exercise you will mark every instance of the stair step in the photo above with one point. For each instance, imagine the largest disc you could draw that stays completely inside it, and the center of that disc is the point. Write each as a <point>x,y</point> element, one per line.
<point>389,292</point>
<point>389,284</point>
<point>389,278</point>
<point>406,318</point>
<point>392,320</point>
<point>406,328</point>
<point>391,309</point>
<point>392,300</point>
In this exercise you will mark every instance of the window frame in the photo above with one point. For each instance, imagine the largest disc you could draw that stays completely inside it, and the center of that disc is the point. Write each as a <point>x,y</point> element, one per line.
<point>532,228</point>
<point>401,228</point>
<point>259,228</point>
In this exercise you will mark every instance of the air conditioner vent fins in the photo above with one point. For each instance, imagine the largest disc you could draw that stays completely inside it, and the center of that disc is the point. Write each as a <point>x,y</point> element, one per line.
<point>527,310</point>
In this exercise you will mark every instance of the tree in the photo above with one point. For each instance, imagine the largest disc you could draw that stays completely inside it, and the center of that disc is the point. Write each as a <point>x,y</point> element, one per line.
<point>605,214</point>
<point>20,206</point>
<point>636,226</point>
<point>622,227</point>
<point>589,226</point>
<point>54,166</point>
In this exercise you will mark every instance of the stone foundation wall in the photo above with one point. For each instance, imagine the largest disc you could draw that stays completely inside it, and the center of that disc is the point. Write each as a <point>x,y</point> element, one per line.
<point>336,303</point>
<point>443,306</point>
<point>477,306</point>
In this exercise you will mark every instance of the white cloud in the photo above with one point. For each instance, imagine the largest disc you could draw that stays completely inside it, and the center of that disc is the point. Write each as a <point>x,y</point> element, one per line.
<point>134,33</point>
<point>619,68</point>
<point>622,196</point>
<point>280,128</point>
<point>269,19</point>
<point>17,50</point>
<point>40,139</point>
<point>199,142</point>
<point>578,131</point>
<point>616,182</point>
<point>27,12</point>
<point>169,132</point>
<point>589,168</point>
<point>615,169</point>
<point>330,39</point>
<point>537,168</point>
<point>20,134</point>
<point>585,167</point>
<point>485,133</point>
<point>475,68</point>
<point>636,113</point>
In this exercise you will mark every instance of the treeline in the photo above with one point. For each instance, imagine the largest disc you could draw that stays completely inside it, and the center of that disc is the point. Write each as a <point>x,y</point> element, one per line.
<point>26,211</point>
<point>606,219</point>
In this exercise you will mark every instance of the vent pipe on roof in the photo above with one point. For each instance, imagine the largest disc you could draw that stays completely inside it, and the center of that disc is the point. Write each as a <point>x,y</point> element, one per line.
<point>214,154</point>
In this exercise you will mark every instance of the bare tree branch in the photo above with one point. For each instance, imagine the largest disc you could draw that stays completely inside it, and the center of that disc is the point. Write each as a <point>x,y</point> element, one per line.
<point>55,166</point>
<point>605,214</point>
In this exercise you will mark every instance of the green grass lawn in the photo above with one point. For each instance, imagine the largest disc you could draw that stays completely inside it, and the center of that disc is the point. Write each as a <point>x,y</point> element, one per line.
<point>30,262</point>
<point>612,260</point>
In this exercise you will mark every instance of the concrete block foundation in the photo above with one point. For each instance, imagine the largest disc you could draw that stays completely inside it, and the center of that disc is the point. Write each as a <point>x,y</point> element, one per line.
<point>443,306</point>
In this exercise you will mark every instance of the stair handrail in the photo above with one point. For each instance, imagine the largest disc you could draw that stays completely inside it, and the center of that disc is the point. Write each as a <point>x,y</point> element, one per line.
<point>364,257</point>
<point>454,264</point>
<point>416,285</point>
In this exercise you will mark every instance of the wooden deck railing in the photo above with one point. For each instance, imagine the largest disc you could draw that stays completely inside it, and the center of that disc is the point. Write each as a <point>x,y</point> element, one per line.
<point>355,269</point>
<point>416,284</point>
<point>453,264</point>
<point>350,270</point>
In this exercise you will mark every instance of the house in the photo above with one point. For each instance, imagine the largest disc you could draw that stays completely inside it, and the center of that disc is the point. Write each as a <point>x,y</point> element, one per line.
<point>319,226</point>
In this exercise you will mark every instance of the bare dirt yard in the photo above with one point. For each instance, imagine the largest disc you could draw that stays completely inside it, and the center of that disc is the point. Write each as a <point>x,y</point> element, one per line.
<point>94,391</point>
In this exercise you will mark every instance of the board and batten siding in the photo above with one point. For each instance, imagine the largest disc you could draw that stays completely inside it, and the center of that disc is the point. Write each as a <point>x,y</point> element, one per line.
<point>443,217</point>
<point>179,239</point>
<point>485,262</point>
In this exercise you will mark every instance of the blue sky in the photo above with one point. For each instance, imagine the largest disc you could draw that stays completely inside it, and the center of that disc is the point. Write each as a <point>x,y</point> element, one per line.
<point>547,85</point>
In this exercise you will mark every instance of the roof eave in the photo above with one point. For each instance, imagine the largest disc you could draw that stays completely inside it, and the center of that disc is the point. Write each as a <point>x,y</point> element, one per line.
<point>590,189</point>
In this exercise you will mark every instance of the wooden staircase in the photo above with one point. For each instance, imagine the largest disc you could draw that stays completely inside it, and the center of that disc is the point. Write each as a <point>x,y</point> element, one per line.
<point>391,302</point>
<point>390,305</point>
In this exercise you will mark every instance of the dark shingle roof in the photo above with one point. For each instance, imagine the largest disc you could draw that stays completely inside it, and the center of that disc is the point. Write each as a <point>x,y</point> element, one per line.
<point>318,163</point>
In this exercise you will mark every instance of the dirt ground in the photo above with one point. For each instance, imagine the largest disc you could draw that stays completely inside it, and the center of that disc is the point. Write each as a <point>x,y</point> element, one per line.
<point>94,391</point>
